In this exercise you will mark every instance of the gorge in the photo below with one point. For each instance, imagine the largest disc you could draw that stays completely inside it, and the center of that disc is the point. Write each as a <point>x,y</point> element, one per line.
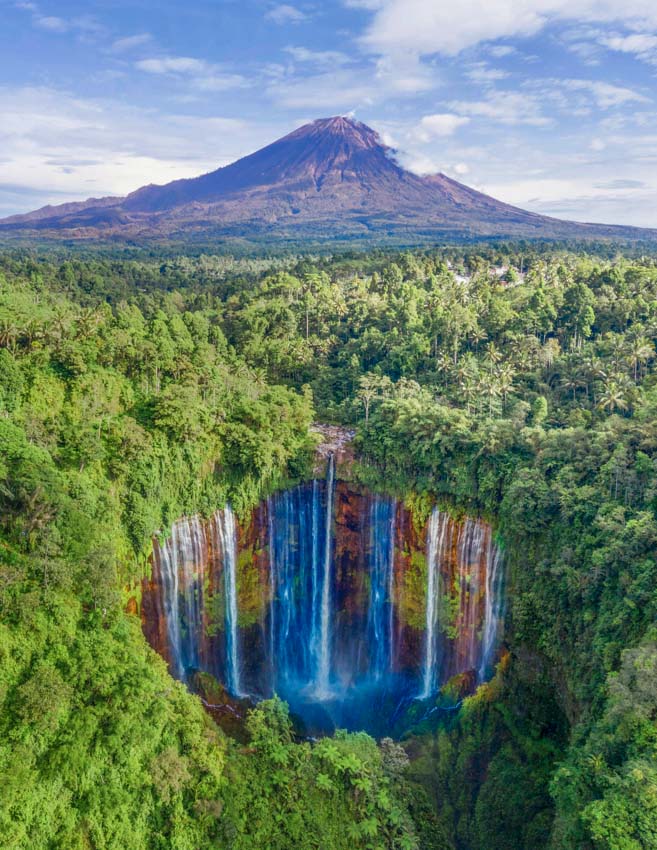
<point>335,598</point>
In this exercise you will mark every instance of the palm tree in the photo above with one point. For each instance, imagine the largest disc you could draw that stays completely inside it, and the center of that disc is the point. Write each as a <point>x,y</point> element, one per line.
<point>88,322</point>
<point>444,362</point>
<point>616,348</point>
<point>571,380</point>
<point>476,335</point>
<point>9,333</point>
<point>259,380</point>
<point>640,351</point>
<point>493,353</point>
<point>549,351</point>
<point>505,382</point>
<point>612,398</point>
<point>490,387</point>
<point>465,377</point>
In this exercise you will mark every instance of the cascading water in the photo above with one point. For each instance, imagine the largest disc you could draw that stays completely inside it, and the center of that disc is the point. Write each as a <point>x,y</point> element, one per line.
<point>494,610</point>
<point>382,573</point>
<point>324,662</point>
<point>180,561</point>
<point>183,565</point>
<point>335,603</point>
<point>294,526</point>
<point>300,533</point>
<point>472,546</point>
<point>223,524</point>
<point>436,535</point>
<point>464,605</point>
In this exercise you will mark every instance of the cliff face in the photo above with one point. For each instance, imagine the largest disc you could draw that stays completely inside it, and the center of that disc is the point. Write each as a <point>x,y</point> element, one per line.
<point>328,594</point>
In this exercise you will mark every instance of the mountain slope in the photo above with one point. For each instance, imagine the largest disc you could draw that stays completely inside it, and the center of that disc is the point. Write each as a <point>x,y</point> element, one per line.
<point>332,178</point>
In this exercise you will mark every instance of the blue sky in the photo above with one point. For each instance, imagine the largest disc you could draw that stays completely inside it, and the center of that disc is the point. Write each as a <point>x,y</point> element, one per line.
<point>548,104</point>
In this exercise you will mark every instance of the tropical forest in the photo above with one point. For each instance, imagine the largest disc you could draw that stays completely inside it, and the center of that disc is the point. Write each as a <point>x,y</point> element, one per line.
<point>327,549</point>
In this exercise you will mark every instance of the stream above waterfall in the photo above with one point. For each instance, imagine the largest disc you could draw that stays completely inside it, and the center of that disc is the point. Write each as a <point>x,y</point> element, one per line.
<point>331,597</point>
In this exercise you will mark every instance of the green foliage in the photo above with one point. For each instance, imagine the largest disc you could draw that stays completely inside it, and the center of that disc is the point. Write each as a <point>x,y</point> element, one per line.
<point>113,422</point>
<point>343,792</point>
<point>607,788</point>
<point>517,382</point>
<point>99,747</point>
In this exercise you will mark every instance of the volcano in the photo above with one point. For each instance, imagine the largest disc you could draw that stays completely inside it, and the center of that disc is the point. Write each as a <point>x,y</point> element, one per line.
<point>331,179</point>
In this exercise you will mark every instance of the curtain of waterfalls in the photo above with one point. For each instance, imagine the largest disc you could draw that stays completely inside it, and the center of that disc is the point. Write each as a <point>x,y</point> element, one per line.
<point>337,603</point>
<point>182,563</point>
<point>436,539</point>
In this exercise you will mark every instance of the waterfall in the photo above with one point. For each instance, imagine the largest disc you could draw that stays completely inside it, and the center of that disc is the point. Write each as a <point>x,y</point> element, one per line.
<point>315,640</point>
<point>381,558</point>
<point>391,586</point>
<point>165,563</point>
<point>438,524</point>
<point>294,532</point>
<point>473,542</point>
<point>181,565</point>
<point>335,612</point>
<point>226,536</point>
<point>324,661</point>
<point>494,611</point>
<point>464,604</point>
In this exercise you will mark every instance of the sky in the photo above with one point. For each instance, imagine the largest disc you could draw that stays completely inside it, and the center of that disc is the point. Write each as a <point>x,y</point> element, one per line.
<point>546,104</point>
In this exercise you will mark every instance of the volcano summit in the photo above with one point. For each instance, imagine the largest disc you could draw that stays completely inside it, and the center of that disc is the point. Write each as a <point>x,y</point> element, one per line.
<point>331,179</point>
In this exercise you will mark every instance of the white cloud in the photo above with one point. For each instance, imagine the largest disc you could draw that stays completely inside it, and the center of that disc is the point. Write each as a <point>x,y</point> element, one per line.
<point>50,22</point>
<point>499,51</point>
<point>581,199</point>
<point>482,73</point>
<point>606,95</point>
<point>317,57</point>
<point>338,90</point>
<point>448,28</point>
<point>341,89</point>
<point>215,82</point>
<point>83,25</point>
<point>437,125</point>
<point>420,163</point>
<point>364,4</point>
<point>172,65</point>
<point>58,147</point>
<point>505,107</point>
<point>638,43</point>
<point>286,14</point>
<point>203,76</point>
<point>642,45</point>
<point>130,42</point>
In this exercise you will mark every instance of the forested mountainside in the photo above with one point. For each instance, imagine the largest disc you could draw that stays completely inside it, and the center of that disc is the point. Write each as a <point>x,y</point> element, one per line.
<point>515,387</point>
